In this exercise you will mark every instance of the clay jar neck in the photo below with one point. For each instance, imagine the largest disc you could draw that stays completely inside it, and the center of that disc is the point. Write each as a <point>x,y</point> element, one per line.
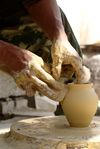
<point>72,86</point>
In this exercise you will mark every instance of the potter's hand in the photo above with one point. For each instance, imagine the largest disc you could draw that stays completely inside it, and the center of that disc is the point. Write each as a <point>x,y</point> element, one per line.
<point>29,71</point>
<point>62,54</point>
<point>36,77</point>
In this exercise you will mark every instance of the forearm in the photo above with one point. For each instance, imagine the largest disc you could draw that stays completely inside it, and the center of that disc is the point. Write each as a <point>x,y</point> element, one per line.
<point>46,14</point>
<point>13,57</point>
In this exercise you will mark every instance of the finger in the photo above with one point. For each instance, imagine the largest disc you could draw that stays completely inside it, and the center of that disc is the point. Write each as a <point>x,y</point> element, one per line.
<point>78,68</point>
<point>26,79</point>
<point>57,68</point>
<point>45,77</point>
<point>24,82</point>
<point>47,91</point>
<point>86,75</point>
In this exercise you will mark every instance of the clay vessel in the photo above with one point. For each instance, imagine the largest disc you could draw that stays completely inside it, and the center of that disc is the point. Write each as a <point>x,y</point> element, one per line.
<point>80,104</point>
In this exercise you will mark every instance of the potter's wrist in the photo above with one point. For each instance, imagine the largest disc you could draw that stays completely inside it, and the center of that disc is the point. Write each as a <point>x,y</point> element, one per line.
<point>59,34</point>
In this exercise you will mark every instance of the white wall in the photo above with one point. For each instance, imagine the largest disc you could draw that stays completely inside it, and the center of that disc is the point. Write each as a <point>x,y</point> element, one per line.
<point>84,17</point>
<point>8,87</point>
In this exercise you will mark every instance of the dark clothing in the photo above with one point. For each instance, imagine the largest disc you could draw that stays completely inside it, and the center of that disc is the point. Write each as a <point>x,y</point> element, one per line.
<point>12,10</point>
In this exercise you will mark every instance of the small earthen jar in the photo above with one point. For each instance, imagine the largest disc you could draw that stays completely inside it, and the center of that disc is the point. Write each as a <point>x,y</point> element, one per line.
<point>80,104</point>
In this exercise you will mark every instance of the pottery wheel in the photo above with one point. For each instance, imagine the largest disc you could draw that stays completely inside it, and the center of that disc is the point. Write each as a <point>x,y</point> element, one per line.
<point>55,133</point>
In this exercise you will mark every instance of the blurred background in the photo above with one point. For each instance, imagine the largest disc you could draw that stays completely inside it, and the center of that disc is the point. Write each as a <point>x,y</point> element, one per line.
<point>84,19</point>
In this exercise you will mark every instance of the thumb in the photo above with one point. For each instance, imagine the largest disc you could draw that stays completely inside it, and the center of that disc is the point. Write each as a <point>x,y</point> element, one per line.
<point>56,69</point>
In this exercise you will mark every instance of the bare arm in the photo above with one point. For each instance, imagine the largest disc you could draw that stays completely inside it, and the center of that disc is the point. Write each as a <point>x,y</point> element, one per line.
<point>46,14</point>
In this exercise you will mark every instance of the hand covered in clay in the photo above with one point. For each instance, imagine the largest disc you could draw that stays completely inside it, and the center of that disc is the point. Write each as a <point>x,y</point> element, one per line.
<point>29,71</point>
<point>64,54</point>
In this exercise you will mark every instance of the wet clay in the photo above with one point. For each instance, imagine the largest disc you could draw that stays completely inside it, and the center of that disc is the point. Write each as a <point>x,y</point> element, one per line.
<point>80,104</point>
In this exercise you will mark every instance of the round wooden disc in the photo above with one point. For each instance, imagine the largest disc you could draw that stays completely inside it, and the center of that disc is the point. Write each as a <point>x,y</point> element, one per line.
<point>55,133</point>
